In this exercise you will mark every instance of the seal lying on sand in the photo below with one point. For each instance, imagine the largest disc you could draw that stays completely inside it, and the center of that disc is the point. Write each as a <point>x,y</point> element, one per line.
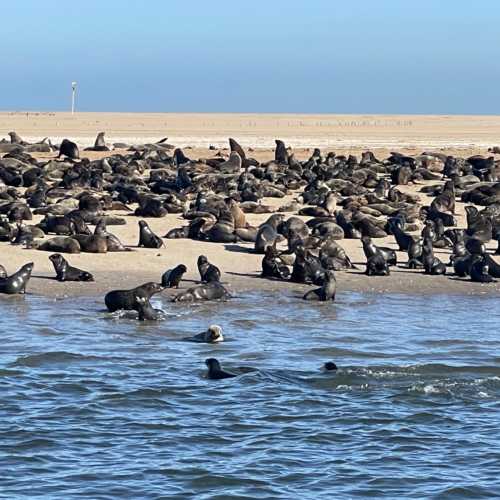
<point>16,283</point>
<point>210,336</point>
<point>215,371</point>
<point>127,299</point>
<point>65,272</point>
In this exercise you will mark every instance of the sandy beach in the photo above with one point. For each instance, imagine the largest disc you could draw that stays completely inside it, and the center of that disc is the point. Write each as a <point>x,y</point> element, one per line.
<point>241,268</point>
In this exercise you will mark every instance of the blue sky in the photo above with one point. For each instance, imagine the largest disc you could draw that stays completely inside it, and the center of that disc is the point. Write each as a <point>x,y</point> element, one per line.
<point>310,56</point>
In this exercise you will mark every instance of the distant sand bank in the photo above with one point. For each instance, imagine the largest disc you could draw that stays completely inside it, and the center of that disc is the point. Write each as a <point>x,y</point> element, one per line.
<point>260,130</point>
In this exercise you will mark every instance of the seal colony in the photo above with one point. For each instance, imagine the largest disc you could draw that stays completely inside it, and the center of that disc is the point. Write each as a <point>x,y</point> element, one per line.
<point>314,208</point>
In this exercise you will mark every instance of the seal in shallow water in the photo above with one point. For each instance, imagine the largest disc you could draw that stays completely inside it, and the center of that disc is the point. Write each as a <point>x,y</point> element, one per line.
<point>208,291</point>
<point>16,283</point>
<point>215,371</point>
<point>326,292</point>
<point>210,336</point>
<point>127,299</point>
<point>65,272</point>
<point>172,277</point>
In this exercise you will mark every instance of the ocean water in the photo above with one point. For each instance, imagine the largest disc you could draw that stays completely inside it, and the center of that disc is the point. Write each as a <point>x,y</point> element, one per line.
<point>94,405</point>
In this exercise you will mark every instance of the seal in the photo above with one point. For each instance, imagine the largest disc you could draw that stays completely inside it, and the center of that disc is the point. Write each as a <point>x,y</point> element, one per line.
<point>99,144</point>
<point>147,238</point>
<point>16,283</point>
<point>371,249</point>
<point>210,336</point>
<point>61,244</point>
<point>326,292</point>
<point>208,272</point>
<point>69,149</point>
<point>172,277</point>
<point>208,291</point>
<point>215,371</point>
<point>94,243</point>
<point>146,312</point>
<point>65,272</point>
<point>376,265</point>
<point>479,272</point>
<point>127,299</point>
<point>268,233</point>
<point>330,366</point>
<point>273,266</point>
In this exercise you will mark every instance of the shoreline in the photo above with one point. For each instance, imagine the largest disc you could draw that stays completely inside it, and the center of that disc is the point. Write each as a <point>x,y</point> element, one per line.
<point>124,270</point>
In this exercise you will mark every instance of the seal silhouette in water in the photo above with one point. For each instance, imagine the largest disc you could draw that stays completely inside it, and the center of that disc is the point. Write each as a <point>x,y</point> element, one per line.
<point>326,292</point>
<point>147,238</point>
<point>210,336</point>
<point>127,299</point>
<point>65,272</point>
<point>16,283</point>
<point>172,277</point>
<point>330,366</point>
<point>215,371</point>
<point>208,272</point>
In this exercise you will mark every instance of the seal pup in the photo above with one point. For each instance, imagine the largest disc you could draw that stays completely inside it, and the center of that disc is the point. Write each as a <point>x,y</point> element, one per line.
<point>146,312</point>
<point>16,283</point>
<point>326,292</point>
<point>127,299</point>
<point>208,272</point>
<point>215,371</point>
<point>147,238</point>
<point>207,291</point>
<point>210,336</point>
<point>69,149</point>
<point>65,272</point>
<point>172,277</point>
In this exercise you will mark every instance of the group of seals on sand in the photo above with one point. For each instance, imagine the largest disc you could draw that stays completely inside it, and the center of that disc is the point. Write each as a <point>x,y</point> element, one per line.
<point>342,196</point>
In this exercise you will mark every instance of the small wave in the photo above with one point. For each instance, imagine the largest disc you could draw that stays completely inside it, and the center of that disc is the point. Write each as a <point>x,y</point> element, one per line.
<point>52,358</point>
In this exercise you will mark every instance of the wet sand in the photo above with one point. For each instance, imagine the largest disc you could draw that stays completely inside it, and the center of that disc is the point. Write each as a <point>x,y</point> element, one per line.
<point>240,267</point>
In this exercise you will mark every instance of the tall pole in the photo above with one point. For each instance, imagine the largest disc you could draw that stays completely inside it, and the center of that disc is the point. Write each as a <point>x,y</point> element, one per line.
<point>73,92</point>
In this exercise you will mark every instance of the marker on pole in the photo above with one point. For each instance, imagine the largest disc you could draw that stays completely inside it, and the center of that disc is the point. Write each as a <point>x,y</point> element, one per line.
<point>73,92</point>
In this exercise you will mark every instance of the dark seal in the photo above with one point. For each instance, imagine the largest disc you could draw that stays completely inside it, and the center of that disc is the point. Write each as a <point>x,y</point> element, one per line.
<point>172,277</point>
<point>215,371</point>
<point>65,272</point>
<point>127,299</point>
<point>16,283</point>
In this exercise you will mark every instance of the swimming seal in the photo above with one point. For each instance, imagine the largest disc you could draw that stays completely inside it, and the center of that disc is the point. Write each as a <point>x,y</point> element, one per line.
<point>65,272</point>
<point>147,238</point>
<point>208,272</point>
<point>208,291</point>
<point>16,283</point>
<point>326,292</point>
<point>330,366</point>
<point>172,277</point>
<point>210,336</point>
<point>127,299</point>
<point>215,371</point>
